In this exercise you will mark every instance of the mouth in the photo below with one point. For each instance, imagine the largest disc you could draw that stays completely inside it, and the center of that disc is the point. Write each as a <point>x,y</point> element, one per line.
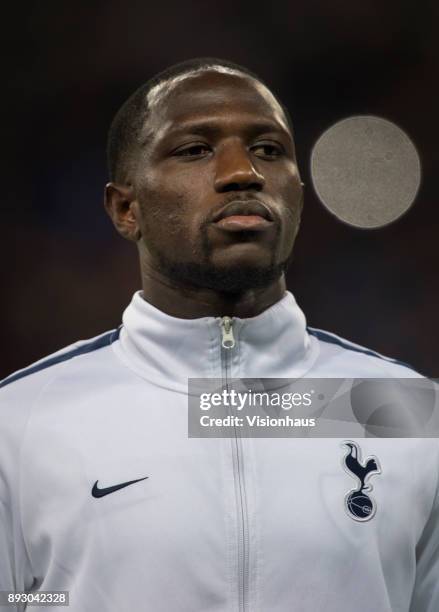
<point>244,215</point>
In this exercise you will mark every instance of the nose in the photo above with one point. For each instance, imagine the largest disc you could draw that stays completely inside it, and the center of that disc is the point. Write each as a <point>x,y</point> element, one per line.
<point>235,170</point>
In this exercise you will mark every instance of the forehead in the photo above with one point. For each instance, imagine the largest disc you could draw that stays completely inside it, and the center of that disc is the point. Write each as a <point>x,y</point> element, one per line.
<point>211,95</point>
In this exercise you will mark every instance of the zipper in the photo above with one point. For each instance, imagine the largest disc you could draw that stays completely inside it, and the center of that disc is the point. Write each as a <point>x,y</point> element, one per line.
<point>228,343</point>
<point>227,337</point>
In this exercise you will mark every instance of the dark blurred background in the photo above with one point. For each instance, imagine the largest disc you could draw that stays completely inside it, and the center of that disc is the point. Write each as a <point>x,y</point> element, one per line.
<point>68,276</point>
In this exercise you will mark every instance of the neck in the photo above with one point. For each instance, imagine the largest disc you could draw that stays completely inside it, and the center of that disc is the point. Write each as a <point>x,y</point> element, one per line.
<point>189,302</point>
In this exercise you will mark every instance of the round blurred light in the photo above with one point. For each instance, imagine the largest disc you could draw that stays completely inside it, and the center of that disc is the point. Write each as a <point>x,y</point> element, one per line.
<point>366,171</point>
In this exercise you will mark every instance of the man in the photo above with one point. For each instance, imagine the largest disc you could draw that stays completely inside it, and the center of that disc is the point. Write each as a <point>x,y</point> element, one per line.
<point>102,492</point>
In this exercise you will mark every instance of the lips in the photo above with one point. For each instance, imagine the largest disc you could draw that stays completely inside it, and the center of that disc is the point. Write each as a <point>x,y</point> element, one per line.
<point>244,215</point>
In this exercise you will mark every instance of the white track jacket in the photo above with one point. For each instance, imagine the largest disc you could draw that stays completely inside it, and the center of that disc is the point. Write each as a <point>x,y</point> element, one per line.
<point>209,524</point>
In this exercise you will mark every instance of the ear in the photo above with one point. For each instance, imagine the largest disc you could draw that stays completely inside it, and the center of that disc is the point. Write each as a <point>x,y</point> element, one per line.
<point>121,205</point>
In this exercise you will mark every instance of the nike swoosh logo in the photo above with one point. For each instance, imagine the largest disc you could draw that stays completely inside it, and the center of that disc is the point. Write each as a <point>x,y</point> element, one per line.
<point>96,492</point>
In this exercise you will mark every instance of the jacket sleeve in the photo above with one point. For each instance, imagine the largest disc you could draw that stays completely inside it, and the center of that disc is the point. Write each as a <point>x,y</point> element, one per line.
<point>10,579</point>
<point>15,570</point>
<point>426,592</point>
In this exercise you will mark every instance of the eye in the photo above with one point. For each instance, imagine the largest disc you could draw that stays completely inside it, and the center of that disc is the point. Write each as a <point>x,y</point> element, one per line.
<point>268,150</point>
<point>192,150</point>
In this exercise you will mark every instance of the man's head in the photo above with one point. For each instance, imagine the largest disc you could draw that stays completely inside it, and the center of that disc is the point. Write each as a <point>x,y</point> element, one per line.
<point>191,153</point>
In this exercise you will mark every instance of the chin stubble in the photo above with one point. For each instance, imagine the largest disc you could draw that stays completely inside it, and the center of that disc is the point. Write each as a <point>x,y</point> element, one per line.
<point>231,279</point>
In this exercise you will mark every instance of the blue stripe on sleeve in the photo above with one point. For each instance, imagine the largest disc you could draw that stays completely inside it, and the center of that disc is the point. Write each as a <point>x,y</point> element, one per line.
<point>88,347</point>
<point>324,336</point>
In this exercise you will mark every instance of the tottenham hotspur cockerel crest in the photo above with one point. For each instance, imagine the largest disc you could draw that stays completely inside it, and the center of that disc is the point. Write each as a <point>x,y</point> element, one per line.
<point>359,505</point>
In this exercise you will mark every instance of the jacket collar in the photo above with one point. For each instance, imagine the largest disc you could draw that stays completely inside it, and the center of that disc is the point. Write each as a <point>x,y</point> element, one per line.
<point>167,350</point>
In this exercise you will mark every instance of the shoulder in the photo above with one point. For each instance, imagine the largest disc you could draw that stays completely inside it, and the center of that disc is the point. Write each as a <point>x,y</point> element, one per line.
<point>28,380</point>
<point>344,358</point>
<point>68,373</point>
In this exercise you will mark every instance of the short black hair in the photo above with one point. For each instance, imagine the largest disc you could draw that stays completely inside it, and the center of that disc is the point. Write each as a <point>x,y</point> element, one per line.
<point>129,120</point>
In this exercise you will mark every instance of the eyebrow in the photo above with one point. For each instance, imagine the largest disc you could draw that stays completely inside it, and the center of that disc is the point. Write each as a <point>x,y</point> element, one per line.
<point>211,128</point>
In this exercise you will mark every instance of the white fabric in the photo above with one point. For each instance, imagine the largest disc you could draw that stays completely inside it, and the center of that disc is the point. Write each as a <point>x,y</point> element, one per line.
<point>219,525</point>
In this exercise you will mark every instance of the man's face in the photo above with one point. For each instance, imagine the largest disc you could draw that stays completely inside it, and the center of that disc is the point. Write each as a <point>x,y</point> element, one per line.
<point>217,183</point>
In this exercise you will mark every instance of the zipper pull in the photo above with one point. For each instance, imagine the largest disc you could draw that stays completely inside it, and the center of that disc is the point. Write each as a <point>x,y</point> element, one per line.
<point>228,339</point>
